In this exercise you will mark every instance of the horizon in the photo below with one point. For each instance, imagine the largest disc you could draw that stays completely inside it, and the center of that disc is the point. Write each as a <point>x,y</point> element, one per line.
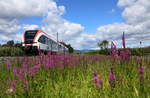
<point>79,23</point>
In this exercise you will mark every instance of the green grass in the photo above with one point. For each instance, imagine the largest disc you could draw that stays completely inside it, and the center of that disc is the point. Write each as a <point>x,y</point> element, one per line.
<point>76,81</point>
<point>11,51</point>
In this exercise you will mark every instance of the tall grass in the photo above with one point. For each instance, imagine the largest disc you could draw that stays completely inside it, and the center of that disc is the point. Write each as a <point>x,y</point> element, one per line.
<point>71,76</point>
<point>11,51</point>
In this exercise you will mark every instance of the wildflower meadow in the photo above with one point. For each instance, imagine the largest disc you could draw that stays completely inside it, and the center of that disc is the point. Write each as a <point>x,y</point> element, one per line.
<point>118,75</point>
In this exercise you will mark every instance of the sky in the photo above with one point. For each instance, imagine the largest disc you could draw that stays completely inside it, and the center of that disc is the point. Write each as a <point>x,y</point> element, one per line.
<point>91,13</point>
<point>81,23</point>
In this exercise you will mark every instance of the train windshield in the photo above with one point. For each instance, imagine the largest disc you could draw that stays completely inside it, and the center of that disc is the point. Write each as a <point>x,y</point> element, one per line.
<point>29,36</point>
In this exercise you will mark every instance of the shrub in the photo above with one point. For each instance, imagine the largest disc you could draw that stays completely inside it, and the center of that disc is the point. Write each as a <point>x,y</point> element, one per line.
<point>11,51</point>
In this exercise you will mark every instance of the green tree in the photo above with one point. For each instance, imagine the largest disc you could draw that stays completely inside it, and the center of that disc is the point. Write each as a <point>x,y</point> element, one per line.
<point>103,44</point>
<point>10,43</point>
<point>100,45</point>
<point>70,48</point>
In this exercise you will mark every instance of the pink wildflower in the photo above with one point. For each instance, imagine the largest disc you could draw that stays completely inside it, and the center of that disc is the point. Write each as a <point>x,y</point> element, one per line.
<point>21,74</point>
<point>33,70</point>
<point>15,71</point>
<point>112,79</point>
<point>141,71</point>
<point>123,40</point>
<point>98,82</point>
<point>114,51</point>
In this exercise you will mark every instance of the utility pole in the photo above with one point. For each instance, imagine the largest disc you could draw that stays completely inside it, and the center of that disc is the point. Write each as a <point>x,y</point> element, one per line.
<point>57,37</point>
<point>57,42</point>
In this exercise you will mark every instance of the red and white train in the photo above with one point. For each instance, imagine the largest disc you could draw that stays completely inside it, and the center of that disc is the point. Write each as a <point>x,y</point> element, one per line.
<point>34,40</point>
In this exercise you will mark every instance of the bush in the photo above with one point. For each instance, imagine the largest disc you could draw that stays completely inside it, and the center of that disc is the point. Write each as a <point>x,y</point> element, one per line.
<point>101,52</point>
<point>11,51</point>
<point>105,51</point>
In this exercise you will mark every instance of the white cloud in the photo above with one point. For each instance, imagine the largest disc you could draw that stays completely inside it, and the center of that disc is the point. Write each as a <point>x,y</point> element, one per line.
<point>11,9</point>
<point>12,12</point>
<point>113,32</point>
<point>30,27</point>
<point>124,3</point>
<point>8,29</point>
<point>136,14</point>
<point>85,41</point>
<point>67,30</point>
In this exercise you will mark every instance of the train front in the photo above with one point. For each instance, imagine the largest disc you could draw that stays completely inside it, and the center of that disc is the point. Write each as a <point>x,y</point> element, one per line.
<point>29,44</point>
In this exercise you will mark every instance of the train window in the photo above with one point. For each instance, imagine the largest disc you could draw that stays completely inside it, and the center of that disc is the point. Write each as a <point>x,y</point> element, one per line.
<point>29,36</point>
<point>54,45</point>
<point>50,42</point>
<point>59,47</point>
<point>42,39</point>
<point>46,40</point>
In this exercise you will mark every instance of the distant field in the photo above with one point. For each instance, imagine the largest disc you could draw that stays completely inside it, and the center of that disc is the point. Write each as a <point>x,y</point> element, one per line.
<point>18,51</point>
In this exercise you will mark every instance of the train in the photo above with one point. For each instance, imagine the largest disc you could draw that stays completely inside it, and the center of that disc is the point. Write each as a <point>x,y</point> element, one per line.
<point>37,40</point>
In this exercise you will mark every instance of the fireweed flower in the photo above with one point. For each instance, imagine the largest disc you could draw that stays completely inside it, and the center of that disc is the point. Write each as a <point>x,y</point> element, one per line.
<point>25,65</point>
<point>123,41</point>
<point>112,79</point>
<point>33,70</point>
<point>21,74</point>
<point>98,82</point>
<point>95,73</point>
<point>125,54</point>
<point>112,76</point>
<point>141,72</point>
<point>114,51</point>
<point>141,78</point>
<point>141,69</point>
<point>15,72</point>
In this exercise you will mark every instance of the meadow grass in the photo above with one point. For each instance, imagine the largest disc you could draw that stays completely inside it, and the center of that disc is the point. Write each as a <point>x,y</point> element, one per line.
<point>11,51</point>
<point>71,77</point>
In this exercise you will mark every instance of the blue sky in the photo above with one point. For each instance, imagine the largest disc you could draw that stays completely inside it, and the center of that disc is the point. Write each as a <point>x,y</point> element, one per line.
<point>81,23</point>
<point>91,13</point>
